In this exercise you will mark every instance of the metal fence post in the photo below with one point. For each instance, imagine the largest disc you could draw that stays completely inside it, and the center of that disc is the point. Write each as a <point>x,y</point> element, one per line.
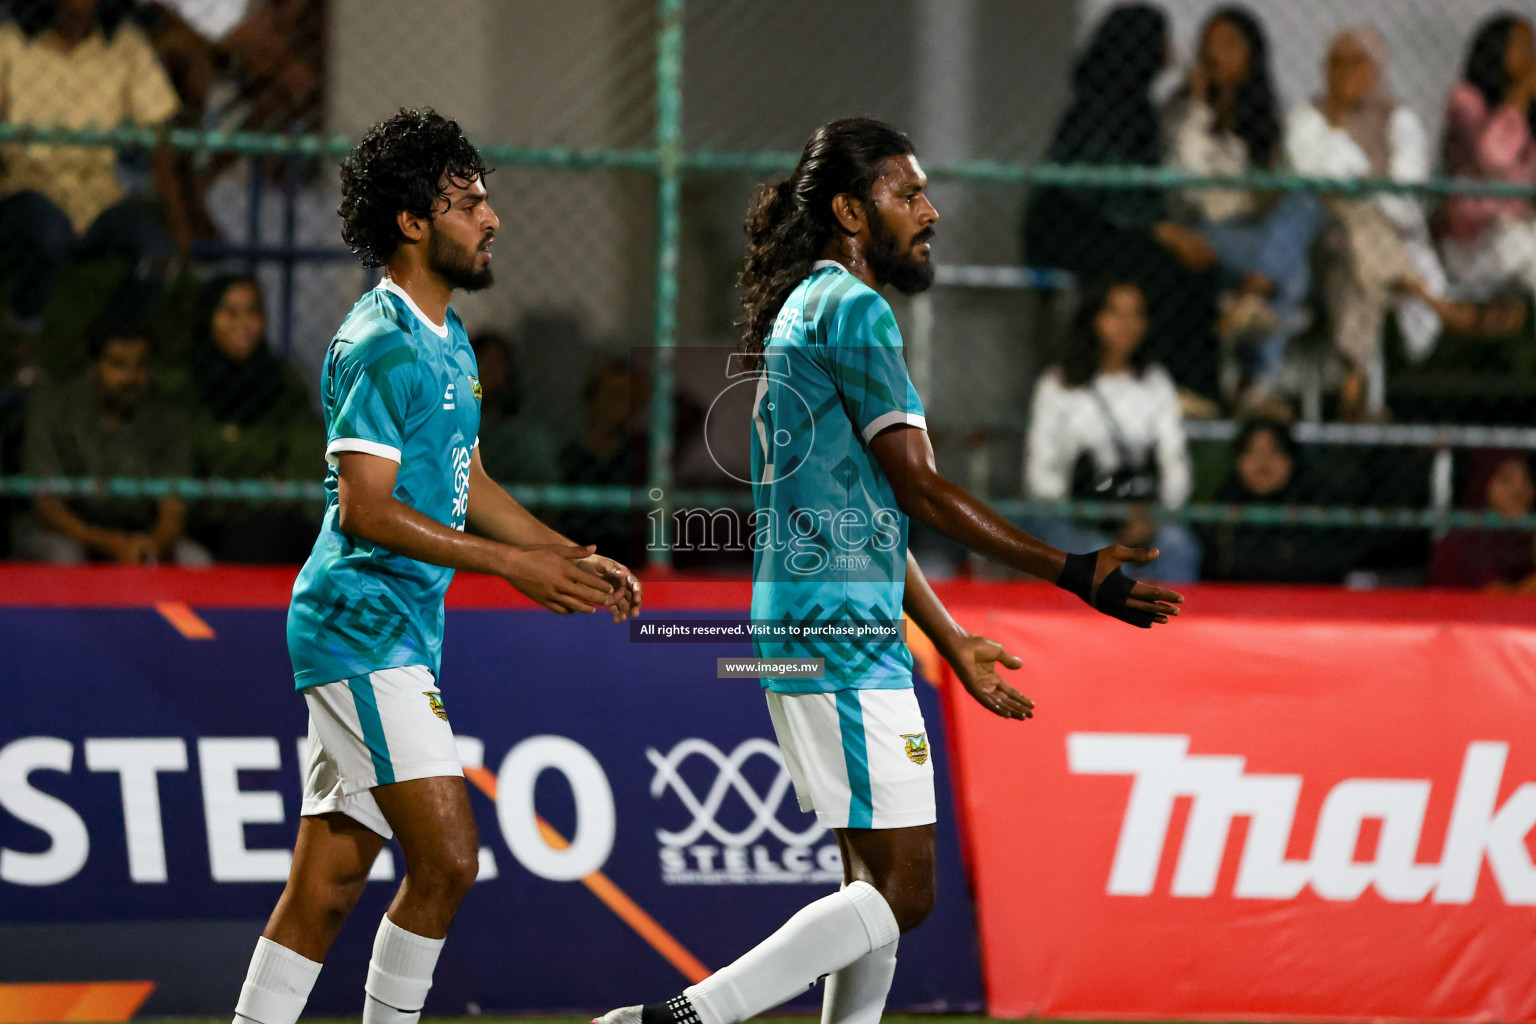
<point>669,153</point>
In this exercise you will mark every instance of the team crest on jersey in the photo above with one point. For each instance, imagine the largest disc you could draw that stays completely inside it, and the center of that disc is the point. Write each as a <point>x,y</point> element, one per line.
<point>474,388</point>
<point>917,747</point>
<point>436,700</point>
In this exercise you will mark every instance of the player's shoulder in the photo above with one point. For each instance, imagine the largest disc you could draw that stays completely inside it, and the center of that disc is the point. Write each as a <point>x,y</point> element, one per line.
<point>847,310</point>
<point>376,328</point>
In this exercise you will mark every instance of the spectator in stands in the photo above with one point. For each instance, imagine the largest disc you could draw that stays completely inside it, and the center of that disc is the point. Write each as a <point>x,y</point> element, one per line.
<point>1266,470</point>
<point>79,64</point>
<point>102,425</point>
<point>607,453</point>
<point>1489,242</point>
<point>1499,483</point>
<point>253,420</point>
<point>1226,121</point>
<point>1106,426</point>
<point>1127,233</point>
<point>516,450</point>
<point>1379,251</point>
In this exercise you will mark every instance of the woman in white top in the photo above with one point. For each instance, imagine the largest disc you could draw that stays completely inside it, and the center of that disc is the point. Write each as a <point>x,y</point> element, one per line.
<point>1378,247</point>
<point>1106,426</point>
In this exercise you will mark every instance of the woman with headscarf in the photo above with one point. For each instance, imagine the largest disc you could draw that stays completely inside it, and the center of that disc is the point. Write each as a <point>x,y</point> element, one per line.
<point>1226,122</point>
<point>1127,233</point>
<point>1489,119</point>
<point>253,420</point>
<point>1379,249</point>
<point>1268,469</point>
<point>1499,483</point>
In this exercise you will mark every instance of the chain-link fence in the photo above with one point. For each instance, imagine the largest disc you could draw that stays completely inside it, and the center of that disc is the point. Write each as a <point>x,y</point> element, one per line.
<point>1249,283</point>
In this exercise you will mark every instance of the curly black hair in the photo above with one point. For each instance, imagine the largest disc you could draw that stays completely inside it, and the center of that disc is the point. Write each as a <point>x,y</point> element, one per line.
<point>403,163</point>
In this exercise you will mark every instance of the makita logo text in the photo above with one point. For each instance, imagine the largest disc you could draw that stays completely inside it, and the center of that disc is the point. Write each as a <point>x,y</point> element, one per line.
<point>1164,770</point>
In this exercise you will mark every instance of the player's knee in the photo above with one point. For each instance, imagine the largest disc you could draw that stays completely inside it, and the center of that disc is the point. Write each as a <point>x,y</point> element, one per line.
<point>448,876</point>
<point>910,900</point>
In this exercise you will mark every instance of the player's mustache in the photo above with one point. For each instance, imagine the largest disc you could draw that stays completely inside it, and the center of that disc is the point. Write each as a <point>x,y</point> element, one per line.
<point>922,236</point>
<point>490,236</point>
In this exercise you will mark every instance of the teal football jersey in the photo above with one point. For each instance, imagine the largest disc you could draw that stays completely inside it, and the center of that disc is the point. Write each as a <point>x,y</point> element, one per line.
<point>395,385</point>
<point>830,543</point>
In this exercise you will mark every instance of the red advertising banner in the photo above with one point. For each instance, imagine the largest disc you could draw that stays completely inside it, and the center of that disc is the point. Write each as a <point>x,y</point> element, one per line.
<point>1256,818</point>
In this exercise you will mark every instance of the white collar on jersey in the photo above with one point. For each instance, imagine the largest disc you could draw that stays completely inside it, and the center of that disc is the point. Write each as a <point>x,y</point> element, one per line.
<point>388,284</point>
<point>824,264</point>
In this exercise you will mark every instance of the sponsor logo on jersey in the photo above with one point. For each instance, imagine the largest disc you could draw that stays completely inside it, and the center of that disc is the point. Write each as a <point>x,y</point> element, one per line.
<point>917,747</point>
<point>448,401</point>
<point>436,700</point>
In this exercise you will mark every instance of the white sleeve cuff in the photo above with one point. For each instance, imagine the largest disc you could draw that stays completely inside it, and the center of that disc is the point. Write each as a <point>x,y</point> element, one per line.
<point>890,419</point>
<point>358,444</point>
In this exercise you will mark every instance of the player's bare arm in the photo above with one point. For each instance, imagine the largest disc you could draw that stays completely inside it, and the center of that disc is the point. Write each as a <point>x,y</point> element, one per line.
<point>974,658</point>
<point>496,514</point>
<point>367,508</point>
<point>906,456</point>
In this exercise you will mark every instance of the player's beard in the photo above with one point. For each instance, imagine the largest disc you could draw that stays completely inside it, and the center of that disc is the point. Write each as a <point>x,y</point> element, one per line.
<point>455,263</point>
<point>909,273</point>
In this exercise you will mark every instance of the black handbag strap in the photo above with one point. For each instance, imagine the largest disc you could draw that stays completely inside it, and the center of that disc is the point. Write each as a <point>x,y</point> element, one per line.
<point>1128,457</point>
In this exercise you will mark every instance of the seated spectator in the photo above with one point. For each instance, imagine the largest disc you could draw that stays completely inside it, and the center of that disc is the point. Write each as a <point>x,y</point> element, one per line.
<point>1499,483</point>
<point>1266,471</point>
<point>1106,426</point>
<point>1226,122</point>
<point>1490,242</point>
<point>80,64</point>
<point>1378,246</point>
<point>1125,233</point>
<point>513,449</point>
<point>253,420</point>
<point>104,425</point>
<point>608,452</point>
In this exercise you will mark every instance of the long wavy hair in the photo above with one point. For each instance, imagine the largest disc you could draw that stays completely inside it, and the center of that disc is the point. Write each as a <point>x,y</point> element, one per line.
<point>789,224</point>
<point>1255,111</point>
<point>1484,70</point>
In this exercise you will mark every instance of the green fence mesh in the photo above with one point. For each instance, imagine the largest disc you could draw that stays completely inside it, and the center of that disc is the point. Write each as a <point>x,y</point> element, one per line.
<point>1324,229</point>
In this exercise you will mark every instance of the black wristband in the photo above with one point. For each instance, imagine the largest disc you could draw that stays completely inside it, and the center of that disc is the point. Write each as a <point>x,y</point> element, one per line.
<point>1077,575</point>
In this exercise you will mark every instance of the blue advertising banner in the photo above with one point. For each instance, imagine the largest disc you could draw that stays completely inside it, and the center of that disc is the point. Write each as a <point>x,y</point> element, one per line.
<point>641,822</point>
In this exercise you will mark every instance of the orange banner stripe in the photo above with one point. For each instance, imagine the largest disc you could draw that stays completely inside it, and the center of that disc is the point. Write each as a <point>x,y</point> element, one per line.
<point>57,1002</point>
<point>184,620</point>
<point>614,898</point>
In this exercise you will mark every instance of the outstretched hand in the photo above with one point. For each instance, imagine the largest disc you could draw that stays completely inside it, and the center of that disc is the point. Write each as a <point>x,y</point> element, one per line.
<point>626,586</point>
<point>1155,601</point>
<point>975,663</point>
<point>1098,580</point>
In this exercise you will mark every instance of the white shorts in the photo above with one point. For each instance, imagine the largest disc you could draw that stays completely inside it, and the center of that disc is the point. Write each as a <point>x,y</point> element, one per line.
<point>388,726</point>
<point>858,758</point>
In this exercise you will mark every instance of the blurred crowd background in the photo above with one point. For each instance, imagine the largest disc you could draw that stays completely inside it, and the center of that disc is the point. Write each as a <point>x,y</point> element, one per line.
<point>1249,283</point>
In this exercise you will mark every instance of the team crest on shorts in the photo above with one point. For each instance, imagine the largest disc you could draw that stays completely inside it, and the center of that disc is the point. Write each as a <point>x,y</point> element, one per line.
<point>917,747</point>
<point>436,700</point>
<point>475,389</point>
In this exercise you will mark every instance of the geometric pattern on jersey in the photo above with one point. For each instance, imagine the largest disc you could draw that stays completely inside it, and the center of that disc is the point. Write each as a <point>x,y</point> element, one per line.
<point>396,385</point>
<point>829,541</point>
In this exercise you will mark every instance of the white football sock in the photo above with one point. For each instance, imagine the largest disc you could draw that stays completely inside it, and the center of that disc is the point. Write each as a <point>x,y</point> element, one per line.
<point>276,985</point>
<point>399,975</point>
<point>856,994</point>
<point>820,939</point>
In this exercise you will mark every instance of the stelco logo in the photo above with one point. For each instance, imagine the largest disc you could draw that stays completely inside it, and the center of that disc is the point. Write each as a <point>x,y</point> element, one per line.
<point>762,851</point>
<point>1220,790</point>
